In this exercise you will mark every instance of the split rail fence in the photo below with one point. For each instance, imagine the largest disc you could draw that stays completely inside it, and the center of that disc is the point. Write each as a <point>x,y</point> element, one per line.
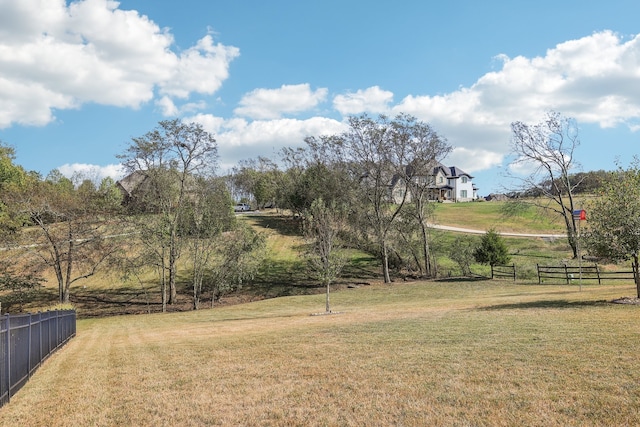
<point>565,274</point>
<point>26,340</point>
<point>503,271</point>
<point>569,274</point>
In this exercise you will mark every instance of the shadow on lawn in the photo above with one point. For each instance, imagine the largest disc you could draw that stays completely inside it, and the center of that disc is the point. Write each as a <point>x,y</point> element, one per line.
<point>110,302</point>
<point>475,278</point>
<point>284,225</point>
<point>546,304</point>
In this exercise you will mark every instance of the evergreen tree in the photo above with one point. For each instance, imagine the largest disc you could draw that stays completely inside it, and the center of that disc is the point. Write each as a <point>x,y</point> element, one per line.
<point>492,249</point>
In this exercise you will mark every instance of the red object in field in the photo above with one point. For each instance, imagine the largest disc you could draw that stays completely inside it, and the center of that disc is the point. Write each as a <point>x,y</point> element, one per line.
<point>580,214</point>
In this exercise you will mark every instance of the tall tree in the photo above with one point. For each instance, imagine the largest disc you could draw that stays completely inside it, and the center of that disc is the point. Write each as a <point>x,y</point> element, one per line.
<point>323,223</point>
<point>419,151</point>
<point>166,161</point>
<point>69,234</point>
<point>370,156</point>
<point>367,148</point>
<point>614,219</point>
<point>548,150</point>
<point>208,214</point>
<point>258,178</point>
<point>12,178</point>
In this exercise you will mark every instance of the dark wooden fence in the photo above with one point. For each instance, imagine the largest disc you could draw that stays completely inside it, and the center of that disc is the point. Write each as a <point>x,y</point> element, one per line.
<point>567,274</point>
<point>503,271</point>
<point>26,340</point>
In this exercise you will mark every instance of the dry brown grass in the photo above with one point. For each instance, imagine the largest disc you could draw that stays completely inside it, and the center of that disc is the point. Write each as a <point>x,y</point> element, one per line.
<point>413,354</point>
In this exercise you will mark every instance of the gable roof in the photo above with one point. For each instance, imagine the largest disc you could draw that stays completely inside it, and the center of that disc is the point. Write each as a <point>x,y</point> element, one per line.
<point>131,182</point>
<point>456,172</point>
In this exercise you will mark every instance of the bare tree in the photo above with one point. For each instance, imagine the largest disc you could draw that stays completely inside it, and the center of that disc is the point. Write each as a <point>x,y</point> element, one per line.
<point>323,223</point>
<point>207,215</point>
<point>548,150</point>
<point>257,178</point>
<point>167,160</point>
<point>71,235</point>
<point>419,150</point>
<point>368,151</point>
<point>368,159</point>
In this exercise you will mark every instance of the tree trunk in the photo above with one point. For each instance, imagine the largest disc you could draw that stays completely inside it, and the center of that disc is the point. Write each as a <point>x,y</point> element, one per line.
<point>163,280</point>
<point>328,307</point>
<point>425,248</point>
<point>636,274</point>
<point>173,260</point>
<point>385,263</point>
<point>67,283</point>
<point>571,233</point>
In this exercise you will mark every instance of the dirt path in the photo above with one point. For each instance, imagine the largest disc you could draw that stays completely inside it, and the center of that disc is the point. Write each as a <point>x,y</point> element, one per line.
<point>471,231</point>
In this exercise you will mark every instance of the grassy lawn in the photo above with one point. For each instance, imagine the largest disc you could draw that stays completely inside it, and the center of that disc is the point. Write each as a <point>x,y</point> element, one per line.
<point>497,215</point>
<point>412,353</point>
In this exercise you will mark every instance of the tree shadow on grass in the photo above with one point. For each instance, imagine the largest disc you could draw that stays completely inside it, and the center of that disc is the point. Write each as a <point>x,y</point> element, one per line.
<point>546,304</point>
<point>462,279</point>
<point>16,302</point>
<point>286,226</point>
<point>110,302</point>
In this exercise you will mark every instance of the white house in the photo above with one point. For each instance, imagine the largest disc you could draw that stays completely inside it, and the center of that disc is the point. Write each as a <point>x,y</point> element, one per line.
<point>444,184</point>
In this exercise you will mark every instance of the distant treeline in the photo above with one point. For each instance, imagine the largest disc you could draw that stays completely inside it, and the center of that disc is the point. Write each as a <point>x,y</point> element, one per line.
<point>583,183</point>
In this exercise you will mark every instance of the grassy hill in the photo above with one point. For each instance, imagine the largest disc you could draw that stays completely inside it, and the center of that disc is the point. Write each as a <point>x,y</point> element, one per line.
<point>284,274</point>
<point>412,354</point>
<point>447,352</point>
<point>502,216</point>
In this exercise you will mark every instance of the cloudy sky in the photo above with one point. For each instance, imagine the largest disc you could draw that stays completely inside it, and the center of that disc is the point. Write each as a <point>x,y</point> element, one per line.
<point>79,79</point>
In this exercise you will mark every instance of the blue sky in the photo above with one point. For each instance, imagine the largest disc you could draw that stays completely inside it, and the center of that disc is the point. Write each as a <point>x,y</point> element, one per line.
<point>79,79</point>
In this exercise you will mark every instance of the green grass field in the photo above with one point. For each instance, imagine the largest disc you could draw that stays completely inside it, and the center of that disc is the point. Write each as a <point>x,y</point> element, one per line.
<point>501,216</point>
<point>424,353</point>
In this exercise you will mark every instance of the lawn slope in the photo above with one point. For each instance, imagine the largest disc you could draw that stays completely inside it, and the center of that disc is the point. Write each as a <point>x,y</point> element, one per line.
<point>413,354</point>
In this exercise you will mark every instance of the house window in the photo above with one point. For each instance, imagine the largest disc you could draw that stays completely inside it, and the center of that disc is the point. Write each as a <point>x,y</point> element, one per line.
<point>464,179</point>
<point>463,194</point>
<point>440,180</point>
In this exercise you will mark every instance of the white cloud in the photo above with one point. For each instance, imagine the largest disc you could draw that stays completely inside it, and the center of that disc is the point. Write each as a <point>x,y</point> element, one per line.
<point>595,79</point>
<point>240,139</point>
<point>264,104</point>
<point>167,106</point>
<point>93,172</point>
<point>371,100</point>
<point>54,56</point>
<point>169,109</point>
<point>200,69</point>
<point>472,160</point>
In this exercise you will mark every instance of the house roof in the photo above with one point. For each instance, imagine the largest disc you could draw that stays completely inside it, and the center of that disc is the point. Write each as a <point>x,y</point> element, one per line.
<point>132,181</point>
<point>456,172</point>
<point>451,172</point>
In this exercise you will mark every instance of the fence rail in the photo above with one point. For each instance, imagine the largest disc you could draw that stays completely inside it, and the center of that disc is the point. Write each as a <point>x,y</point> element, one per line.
<point>590,272</point>
<point>26,340</point>
<point>503,271</point>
